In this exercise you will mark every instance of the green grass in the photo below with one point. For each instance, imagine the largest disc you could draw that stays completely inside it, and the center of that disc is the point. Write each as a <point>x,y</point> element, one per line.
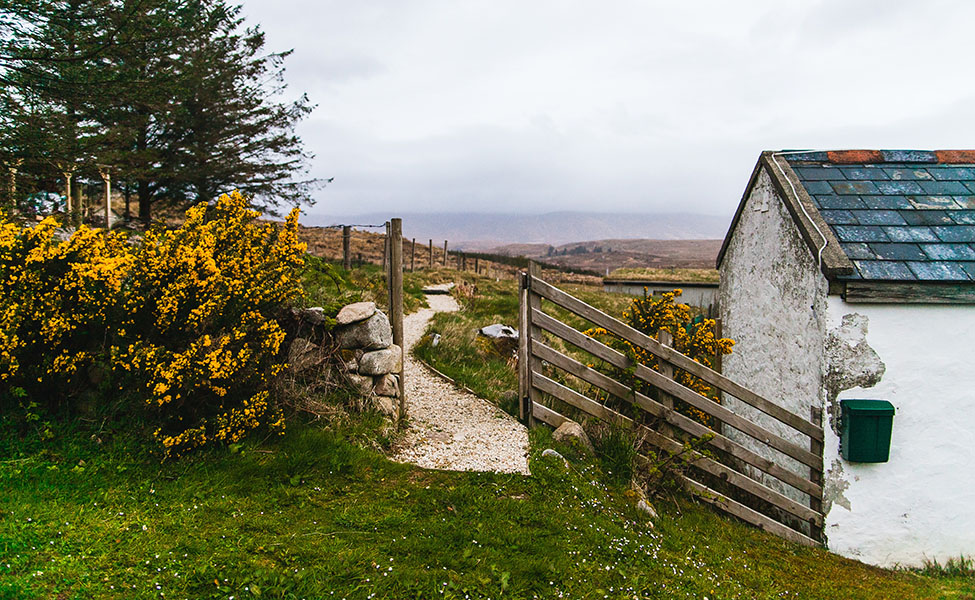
<point>650,274</point>
<point>322,512</point>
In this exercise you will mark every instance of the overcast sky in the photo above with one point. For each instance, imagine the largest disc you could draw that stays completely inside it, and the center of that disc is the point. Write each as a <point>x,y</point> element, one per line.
<point>629,106</point>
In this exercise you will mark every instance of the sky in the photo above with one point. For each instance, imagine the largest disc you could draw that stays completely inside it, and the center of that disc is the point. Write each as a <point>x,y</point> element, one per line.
<point>611,106</point>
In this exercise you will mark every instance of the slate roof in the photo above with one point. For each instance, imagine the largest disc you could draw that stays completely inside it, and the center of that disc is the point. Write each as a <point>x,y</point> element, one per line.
<point>899,215</point>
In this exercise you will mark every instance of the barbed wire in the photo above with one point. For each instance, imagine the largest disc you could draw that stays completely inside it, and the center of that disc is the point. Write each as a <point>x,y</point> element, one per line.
<point>352,225</point>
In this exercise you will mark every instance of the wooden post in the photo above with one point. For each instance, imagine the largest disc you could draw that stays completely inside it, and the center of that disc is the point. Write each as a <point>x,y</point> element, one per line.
<point>386,253</point>
<point>816,474</point>
<point>665,338</point>
<point>431,254</point>
<point>477,268</point>
<point>534,333</point>
<point>347,247</point>
<point>396,302</point>
<point>412,255</point>
<point>445,253</point>
<point>103,170</point>
<point>524,373</point>
<point>463,262</point>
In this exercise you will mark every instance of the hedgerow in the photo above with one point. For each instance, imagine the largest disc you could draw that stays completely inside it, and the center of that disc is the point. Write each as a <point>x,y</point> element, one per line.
<point>184,324</point>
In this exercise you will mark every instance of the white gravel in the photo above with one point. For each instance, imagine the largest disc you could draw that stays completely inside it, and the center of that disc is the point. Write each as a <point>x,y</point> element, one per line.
<point>449,428</point>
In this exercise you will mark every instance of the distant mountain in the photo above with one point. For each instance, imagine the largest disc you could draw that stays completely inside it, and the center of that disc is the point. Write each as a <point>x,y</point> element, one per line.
<point>482,231</point>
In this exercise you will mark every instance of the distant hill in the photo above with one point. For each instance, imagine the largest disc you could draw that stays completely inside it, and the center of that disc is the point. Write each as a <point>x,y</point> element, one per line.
<point>483,231</point>
<point>612,254</point>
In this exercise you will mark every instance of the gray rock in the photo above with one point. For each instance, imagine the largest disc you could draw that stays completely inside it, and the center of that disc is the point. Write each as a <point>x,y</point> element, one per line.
<point>549,453</point>
<point>386,406</point>
<point>380,362</point>
<point>498,331</point>
<point>304,355</point>
<point>572,433</point>
<point>314,315</point>
<point>646,507</point>
<point>372,334</point>
<point>353,313</point>
<point>436,340</point>
<point>440,288</point>
<point>387,385</point>
<point>362,384</point>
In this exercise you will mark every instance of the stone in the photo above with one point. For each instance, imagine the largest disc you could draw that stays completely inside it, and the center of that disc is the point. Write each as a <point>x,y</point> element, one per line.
<point>372,334</point>
<point>361,383</point>
<point>549,453</point>
<point>386,385</point>
<point>440,288</point>
<point>436,340</point>
<point>314,315</point>
<point>646,507</point>
<point>353,313</point>
<point>304,355</point>
<point>498,331</point>
<point>352,366</point>
<point>380,362</point>
<point>572,433</point>
<point>384,405</point>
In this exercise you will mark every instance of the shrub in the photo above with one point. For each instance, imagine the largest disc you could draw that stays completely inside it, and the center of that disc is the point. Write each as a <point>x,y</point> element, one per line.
<point>184,323</point>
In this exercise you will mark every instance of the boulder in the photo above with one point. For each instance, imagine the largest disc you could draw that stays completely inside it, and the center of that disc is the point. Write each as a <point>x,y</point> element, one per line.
<point>372,334</point>
<point>362,384</point>
<point>303,355</point>
<point>499,331</point>
<point>380,362</point>
<point>314,315</point>
<point>384,405</point>
<point>387,385</point>
<point>353,313</point>
<point>549,453</point>
<point>572,433</point>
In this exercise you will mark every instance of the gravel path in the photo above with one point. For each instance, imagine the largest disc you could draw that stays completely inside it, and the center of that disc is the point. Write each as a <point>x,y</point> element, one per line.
<point>449,428</point>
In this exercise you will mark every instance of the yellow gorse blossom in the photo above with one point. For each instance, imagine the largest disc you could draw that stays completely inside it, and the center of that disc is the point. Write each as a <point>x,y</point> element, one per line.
<point>183,322</point>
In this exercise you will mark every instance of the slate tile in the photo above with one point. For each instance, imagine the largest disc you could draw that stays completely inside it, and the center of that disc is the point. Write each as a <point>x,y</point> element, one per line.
<point>839,202</point>
<point>858,251</point>
<point>962,217</point>
<point>818,173</point>
<point>898,252</point>
<point>907,173</point>
<point>792,155</point>
<point>912,156</point>
<point>938,271</point>
<point>884,269</point>
<point>817,187</point>
<point>948,251</point>
<point>888,202</point>
<point>969,268</point>
<point>854,187</point>
<point>868,173</point>
<point>933,202</point>
<point>965,201</point>
<point>926,217</point>
<point>879,217</point>
<point>838,217</point>
<point>952,173</point>
<point>911,234</point>
<point>899,187</point>
<point>957,233</point>
<point>970,185</point>
<point>860,233</point>
<point>943,187</point>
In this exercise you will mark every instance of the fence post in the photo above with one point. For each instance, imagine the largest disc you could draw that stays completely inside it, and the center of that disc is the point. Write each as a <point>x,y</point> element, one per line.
<point>534,332</point>
<point>816,474</point>
<point>396,303</point>
<point>431,253</point>
<point>347,247</point>
<point>386,253</point>
<point>445,253</point>
<point>524,327</point>
<point>463,262</point>
<point>666,338</point>
<point>477,268</point>
<point>412,255</point>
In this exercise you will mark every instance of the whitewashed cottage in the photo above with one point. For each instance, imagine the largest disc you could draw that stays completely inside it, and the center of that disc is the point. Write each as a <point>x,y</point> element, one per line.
<point>849,276</point>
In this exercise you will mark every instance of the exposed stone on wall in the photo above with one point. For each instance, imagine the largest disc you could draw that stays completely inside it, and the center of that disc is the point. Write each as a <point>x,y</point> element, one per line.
<point>850,362</point>
<point>373,333</point>
<point>368,352</point>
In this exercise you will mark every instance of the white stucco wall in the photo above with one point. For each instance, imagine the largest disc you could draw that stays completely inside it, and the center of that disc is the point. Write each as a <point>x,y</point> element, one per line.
<point>772,300</point>
<point>921,504</point>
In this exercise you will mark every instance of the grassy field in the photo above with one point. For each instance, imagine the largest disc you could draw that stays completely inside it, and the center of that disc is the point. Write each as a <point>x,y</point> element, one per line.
<point>322,513</point>
<point>701,275</point>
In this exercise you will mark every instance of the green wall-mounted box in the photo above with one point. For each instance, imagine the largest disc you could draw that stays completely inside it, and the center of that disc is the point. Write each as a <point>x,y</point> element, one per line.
<point>865,430</point>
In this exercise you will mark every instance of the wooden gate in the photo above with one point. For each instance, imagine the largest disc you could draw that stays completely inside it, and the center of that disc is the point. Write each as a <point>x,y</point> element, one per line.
<point>740,472</point>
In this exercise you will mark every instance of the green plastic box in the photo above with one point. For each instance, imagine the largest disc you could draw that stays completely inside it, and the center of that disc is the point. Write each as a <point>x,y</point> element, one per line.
<point>866,426</point>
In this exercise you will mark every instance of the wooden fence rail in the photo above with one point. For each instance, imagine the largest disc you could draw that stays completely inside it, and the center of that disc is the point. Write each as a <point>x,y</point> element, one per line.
<point>755,500</point>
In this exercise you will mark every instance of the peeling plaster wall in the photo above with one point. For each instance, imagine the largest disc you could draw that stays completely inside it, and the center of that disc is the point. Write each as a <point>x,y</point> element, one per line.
<point>921,504</point>
<point>772,300</point>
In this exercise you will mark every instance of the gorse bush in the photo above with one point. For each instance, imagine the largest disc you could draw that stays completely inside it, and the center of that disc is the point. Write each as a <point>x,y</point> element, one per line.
<point>693,337</point>
<point>184,324</point>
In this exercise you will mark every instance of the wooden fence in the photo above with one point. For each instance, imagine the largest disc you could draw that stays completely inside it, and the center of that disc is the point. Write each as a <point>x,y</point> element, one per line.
<point>746,493</point>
